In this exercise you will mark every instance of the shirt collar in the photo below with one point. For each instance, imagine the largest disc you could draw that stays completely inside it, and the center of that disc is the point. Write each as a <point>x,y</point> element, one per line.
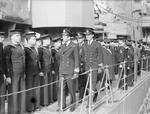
<point>91,41</point>
<point>67,43</point>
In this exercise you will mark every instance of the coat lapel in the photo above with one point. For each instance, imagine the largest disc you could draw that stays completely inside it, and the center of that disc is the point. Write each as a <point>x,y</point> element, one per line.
<point>66,48</point>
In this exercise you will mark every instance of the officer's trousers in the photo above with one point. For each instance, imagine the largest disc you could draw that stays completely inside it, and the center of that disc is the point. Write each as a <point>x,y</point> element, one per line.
<point>55,86</point>
<point>16,102</point>
<point>122,81</point>
<point>70,83</point>
<point>33,96</point>
<point>82,83</point>
<point>2,99</point>
<point>50,88</point>
<point>130,76</point>
<point>44,90</point>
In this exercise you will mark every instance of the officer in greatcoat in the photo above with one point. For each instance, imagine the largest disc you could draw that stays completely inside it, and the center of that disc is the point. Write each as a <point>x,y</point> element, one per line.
<point>108,60</point>
<point>82,78</point>
<point>93,57</point>
<point>130,64</point>
<point>15,73</point>
<point>69,67</point>
<point>32,73</point>
<point>121,55</point>
<point>2,74</point>
<point>45,61</point>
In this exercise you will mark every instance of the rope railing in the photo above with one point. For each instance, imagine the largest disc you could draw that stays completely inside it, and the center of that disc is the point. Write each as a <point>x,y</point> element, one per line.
<point>106,96</point>
<point>146,103</point>
<point>117,89</point>
<point>98,102</point>
<point>106,67</point>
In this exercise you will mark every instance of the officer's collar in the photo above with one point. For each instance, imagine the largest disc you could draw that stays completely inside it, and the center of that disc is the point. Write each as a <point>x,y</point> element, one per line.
<point>68,42</point>
<point>12,44</point>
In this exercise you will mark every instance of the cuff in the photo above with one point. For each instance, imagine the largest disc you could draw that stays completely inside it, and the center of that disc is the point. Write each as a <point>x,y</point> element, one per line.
<point>76,70</point>
<point>100,65</point>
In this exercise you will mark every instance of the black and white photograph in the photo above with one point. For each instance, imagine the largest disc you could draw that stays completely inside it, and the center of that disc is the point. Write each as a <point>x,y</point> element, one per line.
<point>74,56</point>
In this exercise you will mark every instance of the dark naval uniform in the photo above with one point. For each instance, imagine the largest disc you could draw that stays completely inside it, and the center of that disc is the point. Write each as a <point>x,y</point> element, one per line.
<point>2,80</point>
<point>45,60</point>
<point>121,55</point>
<point>130,65</point>
<point>82,79</point>
<point>15,69</point>
<point>69,61</point>
<point>93,57</point>
<point>32,78</point>
<point>108,60</point>
<point>55,72</point>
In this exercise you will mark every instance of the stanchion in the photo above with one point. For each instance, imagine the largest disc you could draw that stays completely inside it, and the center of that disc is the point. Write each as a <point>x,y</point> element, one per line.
<point>124,75</point>
<point>142,64</point>
<point>120,76</point>
<point>84,94</point>
<point>135,68</point>
<point>106,86</point>
<point>108,83</point>
<point>61,96</point>
<point>147,64</point>
<point>90,93</point>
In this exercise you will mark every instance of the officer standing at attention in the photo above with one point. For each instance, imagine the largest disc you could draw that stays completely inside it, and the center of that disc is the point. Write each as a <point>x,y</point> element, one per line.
<point>15,73</point>
<point>45,61</point>
<point>82,79</point>
<point>2,74</point>
<point>32,72</point>
<point>93,57</point>
<point>69,66</point>
<point>129,64</point>
<point>121,56</point>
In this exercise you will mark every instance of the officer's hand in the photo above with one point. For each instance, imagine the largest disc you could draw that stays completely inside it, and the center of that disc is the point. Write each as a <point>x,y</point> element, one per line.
<point>99,70</point>
<point>8,80</point>
<point>100,67</point>
<point>41,74</point>
<point>53,72</point>
<point>4,77</point>
<point>75,76</point>
<point>24,76</point>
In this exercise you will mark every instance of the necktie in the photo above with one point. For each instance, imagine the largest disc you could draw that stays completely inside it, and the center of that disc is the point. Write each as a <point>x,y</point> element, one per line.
<point>89,42</point>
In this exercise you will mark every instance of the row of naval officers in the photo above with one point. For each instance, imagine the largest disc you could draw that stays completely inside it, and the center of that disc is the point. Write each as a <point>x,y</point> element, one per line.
<point>37,62</point>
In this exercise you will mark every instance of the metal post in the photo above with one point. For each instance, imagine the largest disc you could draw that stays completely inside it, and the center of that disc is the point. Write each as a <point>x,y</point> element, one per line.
<point>135,63</point>
<point>90,93</point>
<point>120,76</point>
<point>124,76</point>
<point>61,96</point>
<point>84,94</point>
<point>106,86</point>
<point>147,63</point>
<point>103,35</point>
<point>109,84</point>
<point>142,64</point>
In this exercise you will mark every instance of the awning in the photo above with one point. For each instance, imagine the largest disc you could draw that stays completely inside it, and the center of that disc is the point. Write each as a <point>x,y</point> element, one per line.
<point>62,13</point>
<point>118,29</point>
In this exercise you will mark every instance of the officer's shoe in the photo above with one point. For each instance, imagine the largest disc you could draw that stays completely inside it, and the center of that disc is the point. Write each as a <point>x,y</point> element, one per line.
<point>80,100</point>
<point>59,110</point>
<point>131,84</point>
<point>72,109</point>
<point>95,97</point>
